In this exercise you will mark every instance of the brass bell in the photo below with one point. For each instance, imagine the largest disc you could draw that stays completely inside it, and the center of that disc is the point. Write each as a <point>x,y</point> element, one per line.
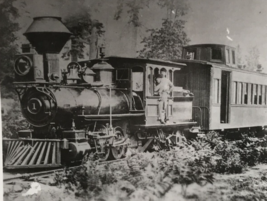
<point>73,75</point>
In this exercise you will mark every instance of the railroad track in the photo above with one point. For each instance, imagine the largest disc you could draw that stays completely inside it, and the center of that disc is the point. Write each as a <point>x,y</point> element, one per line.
<point>47,173</point>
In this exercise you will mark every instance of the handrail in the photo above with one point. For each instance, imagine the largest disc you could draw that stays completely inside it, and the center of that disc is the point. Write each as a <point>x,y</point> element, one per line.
<point>201,122</point>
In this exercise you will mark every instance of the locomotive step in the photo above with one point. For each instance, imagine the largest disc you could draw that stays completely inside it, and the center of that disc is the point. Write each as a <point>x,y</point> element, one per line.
<point>174,124</point>
<point>101,116</point>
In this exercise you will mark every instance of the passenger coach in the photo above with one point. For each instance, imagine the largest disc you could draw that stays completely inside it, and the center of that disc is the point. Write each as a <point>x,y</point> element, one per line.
<point>226,97</point>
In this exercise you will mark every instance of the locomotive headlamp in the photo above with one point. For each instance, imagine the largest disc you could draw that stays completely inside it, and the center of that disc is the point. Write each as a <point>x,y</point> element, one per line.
<point>23,65</point>
<point>54,76</point>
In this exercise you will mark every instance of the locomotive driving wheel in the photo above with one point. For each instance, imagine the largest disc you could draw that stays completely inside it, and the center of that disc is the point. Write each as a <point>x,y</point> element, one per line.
<point>106,154</point>
<point>118,151</point>
<point>105,150</point>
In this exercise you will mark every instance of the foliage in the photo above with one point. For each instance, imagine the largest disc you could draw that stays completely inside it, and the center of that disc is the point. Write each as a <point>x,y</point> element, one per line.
<point>8,28</point>
<point>82,26</point>
<point>174,8</point>
<point>153,176</point>
<point>133,8</point>
<point>144,176</point>
<point>163,43</point>
<point>249,188</point>
<point>252,59</point>
<point>166,42</point>
<point>229,159</point>
<point>232,156</point>
<point>249,150</point>
<point>7,89</point>
<point>13,121</point>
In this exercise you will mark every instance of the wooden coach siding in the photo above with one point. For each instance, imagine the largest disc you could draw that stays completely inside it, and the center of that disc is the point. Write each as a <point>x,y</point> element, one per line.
<point>240,115</point>
<point>199,84</point>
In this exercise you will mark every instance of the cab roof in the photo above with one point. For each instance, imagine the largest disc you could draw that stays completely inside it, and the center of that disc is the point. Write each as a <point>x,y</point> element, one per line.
<point>140,60</point>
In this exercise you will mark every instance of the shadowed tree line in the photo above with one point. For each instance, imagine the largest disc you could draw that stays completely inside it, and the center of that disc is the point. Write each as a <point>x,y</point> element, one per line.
<point>250,61</point>
<point>86,28</point>
<point>163,42</point>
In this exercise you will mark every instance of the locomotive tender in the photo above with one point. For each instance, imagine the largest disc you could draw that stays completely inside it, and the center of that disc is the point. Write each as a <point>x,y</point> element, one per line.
<point>102,106</point>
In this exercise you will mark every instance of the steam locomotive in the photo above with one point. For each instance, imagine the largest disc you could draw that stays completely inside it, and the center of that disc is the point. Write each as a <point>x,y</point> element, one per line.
<point>102,106</point>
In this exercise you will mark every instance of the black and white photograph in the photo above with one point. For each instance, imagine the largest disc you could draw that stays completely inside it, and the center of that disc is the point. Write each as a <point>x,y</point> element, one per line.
<point>139,100</point>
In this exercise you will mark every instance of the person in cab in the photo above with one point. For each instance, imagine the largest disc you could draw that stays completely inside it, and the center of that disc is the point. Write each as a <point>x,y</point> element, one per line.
<point>164,88</point>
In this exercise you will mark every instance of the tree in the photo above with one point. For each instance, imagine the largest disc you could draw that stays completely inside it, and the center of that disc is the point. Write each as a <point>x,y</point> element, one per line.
<point>84,29</point>
<point>77,16</point>
<point>8,48</point>
<point>252,59</point>
<point>166,42</point>
<point>133,9</point>
<point>8,27</point>
<point>240,60</point>
<point>174,8</point>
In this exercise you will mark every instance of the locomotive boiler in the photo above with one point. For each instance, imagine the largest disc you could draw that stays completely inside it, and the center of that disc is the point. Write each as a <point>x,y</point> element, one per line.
<point>61,105</point>
<point>103,106</point>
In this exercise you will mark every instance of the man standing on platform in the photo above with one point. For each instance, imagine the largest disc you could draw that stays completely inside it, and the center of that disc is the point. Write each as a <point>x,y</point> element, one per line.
<point>164,88</point>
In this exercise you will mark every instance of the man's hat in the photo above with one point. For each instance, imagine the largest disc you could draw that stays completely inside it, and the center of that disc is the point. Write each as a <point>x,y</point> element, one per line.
<point>159,76</point>
<point>163,70</point>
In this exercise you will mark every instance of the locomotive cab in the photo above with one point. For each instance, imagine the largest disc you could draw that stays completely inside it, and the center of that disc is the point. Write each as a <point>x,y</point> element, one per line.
<point>179,102</point>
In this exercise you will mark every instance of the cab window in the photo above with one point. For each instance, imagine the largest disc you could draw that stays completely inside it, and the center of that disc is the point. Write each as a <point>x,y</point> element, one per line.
<point>122,74</point>
<point>216,54</point>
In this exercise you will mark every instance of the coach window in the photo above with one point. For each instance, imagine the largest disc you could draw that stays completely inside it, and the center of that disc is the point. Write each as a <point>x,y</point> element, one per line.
<point>227,56</point>
<point>254,97</point>
<point>245,93</point>
<point>233,56</point>
<point>216,91</point>
<point>239,93</point>
<point>263,95</point>
<point>259,95</point>
<point>234,100</point>
<point>249,93</point>
<point>252,94</point>
<point>216,54</point>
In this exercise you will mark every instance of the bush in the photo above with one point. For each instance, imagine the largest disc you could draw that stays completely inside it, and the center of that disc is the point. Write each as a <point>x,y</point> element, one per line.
<point>13,121</point>
<point>228,158</point>
<point>143,176</point>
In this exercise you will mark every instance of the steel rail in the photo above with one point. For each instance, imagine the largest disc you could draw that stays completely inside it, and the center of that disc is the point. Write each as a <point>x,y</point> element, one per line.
<point>50,172</point>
